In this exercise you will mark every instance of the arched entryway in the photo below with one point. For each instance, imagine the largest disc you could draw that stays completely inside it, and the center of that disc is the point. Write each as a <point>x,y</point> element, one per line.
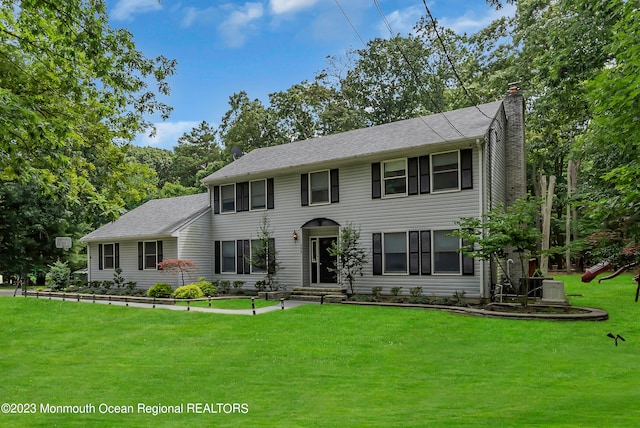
<point>318,235</point>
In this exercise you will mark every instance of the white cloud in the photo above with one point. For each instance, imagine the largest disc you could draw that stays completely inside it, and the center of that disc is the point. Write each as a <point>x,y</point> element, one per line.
<point>167,134</point>
<point>125,9</point>
<point>285,6</point>
<point>239,23</point>
<point>470,22</point>
<point>400,21</point>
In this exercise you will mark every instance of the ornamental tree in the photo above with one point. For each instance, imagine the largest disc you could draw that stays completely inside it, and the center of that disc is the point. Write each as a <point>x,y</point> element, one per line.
<point>349,254</point>
<point>178,266</point>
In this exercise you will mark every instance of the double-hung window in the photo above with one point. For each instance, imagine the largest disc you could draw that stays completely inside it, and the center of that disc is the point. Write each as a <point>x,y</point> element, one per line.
<point>395,252</point>
<point>109,256</point>
<point>395,177</point>
<point>228,198</point>
<point>258,191</point>
<point>150,255</point>
<point>446,258</point>
<point>445,171</point>
<point>319,187</point>
<point>228,256</point>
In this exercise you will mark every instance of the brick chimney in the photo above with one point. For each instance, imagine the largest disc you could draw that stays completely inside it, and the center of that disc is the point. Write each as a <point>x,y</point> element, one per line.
<point>516,165</point>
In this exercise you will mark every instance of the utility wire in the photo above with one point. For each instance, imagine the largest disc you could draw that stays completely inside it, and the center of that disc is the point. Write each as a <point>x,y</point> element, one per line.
<point>414,73</point>
<point>446,54</point>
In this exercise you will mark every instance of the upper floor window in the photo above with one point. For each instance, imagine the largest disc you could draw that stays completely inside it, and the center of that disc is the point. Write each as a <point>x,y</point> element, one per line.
<point>445,171</point>
<point>258,191</point>
<point>319,187</point>
<point>228,198</point>
<point>395,177</point>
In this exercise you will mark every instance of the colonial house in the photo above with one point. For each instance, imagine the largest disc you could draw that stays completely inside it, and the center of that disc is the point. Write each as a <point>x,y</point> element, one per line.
<point>403,185</point>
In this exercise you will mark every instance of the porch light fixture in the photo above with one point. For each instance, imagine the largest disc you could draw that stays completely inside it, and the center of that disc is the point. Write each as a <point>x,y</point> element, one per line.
<point>295,235</point>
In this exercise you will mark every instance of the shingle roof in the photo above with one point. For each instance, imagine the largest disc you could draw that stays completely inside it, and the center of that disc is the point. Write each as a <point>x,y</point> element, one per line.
<point>158,217</point>
<point>457,125</point>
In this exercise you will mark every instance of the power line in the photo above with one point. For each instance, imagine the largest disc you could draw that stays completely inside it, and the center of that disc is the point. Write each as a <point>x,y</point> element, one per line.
<point>446,54</point>
<point>414,72</point>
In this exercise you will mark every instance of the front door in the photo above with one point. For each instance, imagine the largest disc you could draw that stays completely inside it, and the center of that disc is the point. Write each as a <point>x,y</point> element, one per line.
<point>322,261</point>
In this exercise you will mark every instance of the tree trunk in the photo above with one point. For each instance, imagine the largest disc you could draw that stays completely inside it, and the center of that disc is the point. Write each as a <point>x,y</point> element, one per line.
<point>572,215</point>
<point>546,220</point>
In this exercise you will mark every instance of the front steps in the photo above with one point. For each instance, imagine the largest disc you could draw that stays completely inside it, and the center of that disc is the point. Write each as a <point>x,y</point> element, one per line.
<point>319,294</point>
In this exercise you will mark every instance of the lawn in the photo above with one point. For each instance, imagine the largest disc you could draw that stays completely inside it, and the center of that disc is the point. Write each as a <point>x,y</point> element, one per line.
<point>328,365</point>
<point>244,303</point>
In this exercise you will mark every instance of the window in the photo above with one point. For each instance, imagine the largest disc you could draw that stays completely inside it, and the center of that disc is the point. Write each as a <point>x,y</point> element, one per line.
<point>228,256</point>
<point>228,198</point>
<point>319,186</point>
<point>258,191</point>
<point>395,252</point>
<point>109,256</point>
<point>257,253</point>
<point>445,171</point>
<point>150,255</point>
<point>446,258</point>
<point>395,177</point>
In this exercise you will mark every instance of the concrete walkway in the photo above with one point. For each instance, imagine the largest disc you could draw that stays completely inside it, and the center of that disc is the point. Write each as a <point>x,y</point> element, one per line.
<point>288,304</point>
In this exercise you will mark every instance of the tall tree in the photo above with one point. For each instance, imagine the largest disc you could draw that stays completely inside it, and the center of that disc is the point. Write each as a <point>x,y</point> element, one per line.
<point>196,150</point>
<point>70,86</point>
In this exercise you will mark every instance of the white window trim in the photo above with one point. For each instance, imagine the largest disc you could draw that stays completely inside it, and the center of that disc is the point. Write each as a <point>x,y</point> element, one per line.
<point>104,255</point>
<point>144,255</point>
<point>384,254</point>
<point>328,201</point>
<point>264,180</point>
<point>235,258</point>
<point>222,211</point>
<point>433,254</point>
<point>432,175</point>
<point>383,179</point>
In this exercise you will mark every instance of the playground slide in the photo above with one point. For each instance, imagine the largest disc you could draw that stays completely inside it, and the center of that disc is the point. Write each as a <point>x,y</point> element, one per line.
<point>595,270</point>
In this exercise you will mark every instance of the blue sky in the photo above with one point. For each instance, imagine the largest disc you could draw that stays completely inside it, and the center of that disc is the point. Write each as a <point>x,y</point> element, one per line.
<point>262,46</point>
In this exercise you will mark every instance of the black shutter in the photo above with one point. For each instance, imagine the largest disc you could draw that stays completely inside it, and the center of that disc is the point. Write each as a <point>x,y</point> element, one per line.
<point>304,189</point>
<point>377,253</point>
<point>239,256</point>
<point>116,255</point>
<point>425,175</point>
<point>467,261</point>
<point>376,189</point>
<point>413,175</point>
<point>247,255</point>
<point>242,196</point>
<point>100,261</point>
<point>335,188</point>
<point>425,252</point>
<point>216,256</point>
<point>414,253</point>
<point>466,162</point>
<point>270,204</point>
<point>159,250</point>
<point>140,255</point>
<point>216,199</point>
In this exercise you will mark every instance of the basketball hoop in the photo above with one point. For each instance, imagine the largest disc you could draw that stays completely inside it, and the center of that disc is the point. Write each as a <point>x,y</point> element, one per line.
<point>63,242</point>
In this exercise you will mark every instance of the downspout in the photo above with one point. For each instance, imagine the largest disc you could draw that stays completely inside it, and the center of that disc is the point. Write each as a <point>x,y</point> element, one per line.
<point>481,177</point>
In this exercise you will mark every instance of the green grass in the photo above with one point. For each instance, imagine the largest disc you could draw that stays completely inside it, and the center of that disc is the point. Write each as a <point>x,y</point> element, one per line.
<point>328,365</point>
<point>243,303</point>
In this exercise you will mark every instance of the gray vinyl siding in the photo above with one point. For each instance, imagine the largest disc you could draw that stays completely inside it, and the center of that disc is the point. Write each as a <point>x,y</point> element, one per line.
<point>194,243</point>
<point>129,264</point>
<point>356,206</point>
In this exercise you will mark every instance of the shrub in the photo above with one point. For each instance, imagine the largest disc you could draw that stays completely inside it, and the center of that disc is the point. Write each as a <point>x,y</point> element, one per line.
<point>237,285</point>
<point>225,287</point>
<point>191,291</point>
<point>59,275</point>
<point>160,290</point>
<point>376,292</point>
<point>395,291</point>
<point>261,285</point>
<point>415,291</point>
<point>207,287</point>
